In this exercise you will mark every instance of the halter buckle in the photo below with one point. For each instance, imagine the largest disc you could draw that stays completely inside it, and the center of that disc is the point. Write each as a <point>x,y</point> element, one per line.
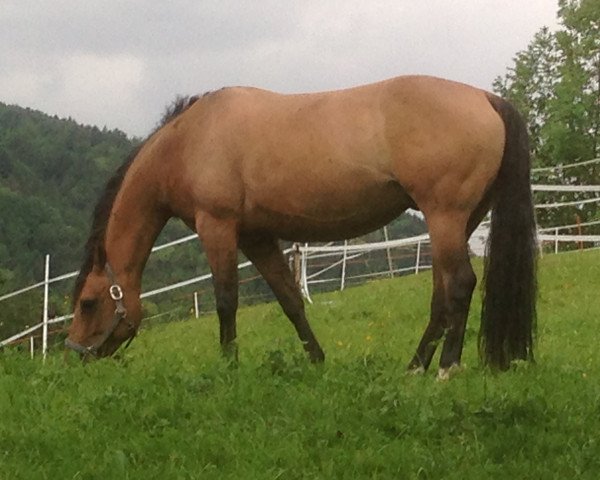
<point>116,293</point>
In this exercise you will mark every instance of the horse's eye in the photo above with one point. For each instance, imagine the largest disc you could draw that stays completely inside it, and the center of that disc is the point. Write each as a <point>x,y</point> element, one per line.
<point>88,304</point>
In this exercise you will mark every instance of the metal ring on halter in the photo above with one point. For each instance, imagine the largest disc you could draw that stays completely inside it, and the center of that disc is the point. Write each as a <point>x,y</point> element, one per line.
<point>116,293</point>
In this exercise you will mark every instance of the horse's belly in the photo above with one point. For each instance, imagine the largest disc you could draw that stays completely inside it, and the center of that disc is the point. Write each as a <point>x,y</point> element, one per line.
<point>318,212</point>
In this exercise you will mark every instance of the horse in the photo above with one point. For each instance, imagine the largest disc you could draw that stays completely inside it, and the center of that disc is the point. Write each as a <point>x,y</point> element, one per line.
<point>245,168</point>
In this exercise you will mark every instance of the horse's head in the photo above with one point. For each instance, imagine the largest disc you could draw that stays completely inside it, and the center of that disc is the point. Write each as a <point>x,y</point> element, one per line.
<point>106,314</point>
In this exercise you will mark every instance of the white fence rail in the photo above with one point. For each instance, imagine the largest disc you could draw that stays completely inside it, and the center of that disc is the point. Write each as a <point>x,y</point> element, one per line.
<point>555,168</point>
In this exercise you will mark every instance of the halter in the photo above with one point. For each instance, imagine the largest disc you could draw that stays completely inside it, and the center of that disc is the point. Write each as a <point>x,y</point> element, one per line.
<point>116,293</point>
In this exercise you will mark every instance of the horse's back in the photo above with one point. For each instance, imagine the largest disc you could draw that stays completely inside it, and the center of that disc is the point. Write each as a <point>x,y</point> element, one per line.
<point>402,123</point>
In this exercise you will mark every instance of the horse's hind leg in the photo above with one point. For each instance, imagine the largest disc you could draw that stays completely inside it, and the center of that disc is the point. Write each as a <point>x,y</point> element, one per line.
<point>434,331</point>
<point>454,282</point>
<point>220,240</point>
<point>266,256</point>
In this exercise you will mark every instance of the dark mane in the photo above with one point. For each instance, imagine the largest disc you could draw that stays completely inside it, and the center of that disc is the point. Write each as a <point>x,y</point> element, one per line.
<point>177,107</point>
<point>94,247</point>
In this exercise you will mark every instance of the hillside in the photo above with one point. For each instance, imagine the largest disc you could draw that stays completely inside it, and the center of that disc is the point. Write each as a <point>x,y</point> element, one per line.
<point>51,172</point>
<point>171,408</point>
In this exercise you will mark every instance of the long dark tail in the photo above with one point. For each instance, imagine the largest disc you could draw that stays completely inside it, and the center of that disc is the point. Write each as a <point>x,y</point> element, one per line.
<point>508,314</point>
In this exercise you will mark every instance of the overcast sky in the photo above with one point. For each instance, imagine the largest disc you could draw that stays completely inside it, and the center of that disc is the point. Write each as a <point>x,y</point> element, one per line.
<point>117,63</point>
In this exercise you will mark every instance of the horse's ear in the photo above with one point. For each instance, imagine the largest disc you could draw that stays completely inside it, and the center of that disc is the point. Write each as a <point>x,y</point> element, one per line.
<point>100,256</point>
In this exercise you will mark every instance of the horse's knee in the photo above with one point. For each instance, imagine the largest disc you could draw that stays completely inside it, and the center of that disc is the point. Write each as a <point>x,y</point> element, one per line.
<point>226,306</point>
<point>226,297</point>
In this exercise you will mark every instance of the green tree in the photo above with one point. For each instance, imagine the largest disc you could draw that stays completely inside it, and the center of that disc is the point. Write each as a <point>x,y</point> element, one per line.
<point>555,83</point>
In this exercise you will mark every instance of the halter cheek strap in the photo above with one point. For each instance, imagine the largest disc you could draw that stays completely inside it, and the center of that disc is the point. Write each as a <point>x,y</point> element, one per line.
<point>116,293</point>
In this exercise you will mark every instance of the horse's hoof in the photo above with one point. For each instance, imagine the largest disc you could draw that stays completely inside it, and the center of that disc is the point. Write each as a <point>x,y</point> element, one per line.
<point>445,374</point>
<point>229,353</point>
<point>414,371</point>
<point>317,356</point>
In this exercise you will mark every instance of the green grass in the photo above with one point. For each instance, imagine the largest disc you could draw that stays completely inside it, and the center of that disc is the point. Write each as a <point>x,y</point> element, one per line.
<point>172,409</point>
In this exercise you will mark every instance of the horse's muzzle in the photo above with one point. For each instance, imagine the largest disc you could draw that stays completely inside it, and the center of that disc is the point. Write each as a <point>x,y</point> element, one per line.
<point>86,352</point>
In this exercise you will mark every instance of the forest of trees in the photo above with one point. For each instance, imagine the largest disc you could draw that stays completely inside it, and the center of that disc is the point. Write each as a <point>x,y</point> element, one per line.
<point>51,172</point>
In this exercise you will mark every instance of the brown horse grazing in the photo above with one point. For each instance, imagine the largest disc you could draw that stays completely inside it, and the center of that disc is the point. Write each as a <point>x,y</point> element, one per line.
<point>245,167</point>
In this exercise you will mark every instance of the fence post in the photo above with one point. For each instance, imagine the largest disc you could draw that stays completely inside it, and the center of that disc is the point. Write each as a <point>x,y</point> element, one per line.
<point>344,257</point>
<point>45,313</point>
<point>578,219</point>
<point>31,346</point>
<point>297,266</point>
<point>196,305</point>
<point>556,240</point>
<point>389,253</point>
<point>304,280</point>
<point>418,261</point>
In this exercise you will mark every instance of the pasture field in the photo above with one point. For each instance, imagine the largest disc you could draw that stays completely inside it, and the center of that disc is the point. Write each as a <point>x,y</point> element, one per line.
<point>170,408</point>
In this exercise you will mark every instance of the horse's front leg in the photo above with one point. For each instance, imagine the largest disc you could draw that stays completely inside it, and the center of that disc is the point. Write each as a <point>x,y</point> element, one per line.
<point>220,240</point>
<point>264,252</point>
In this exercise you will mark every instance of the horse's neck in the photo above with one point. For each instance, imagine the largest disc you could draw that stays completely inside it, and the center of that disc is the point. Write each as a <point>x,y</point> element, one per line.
<point>135,221</point>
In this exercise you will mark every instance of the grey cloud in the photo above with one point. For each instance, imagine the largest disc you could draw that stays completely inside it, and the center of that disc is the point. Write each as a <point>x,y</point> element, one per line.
<point>117,63</point>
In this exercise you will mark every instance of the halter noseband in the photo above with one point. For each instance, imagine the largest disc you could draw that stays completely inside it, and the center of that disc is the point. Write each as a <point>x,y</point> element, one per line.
<point>116,293</point>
